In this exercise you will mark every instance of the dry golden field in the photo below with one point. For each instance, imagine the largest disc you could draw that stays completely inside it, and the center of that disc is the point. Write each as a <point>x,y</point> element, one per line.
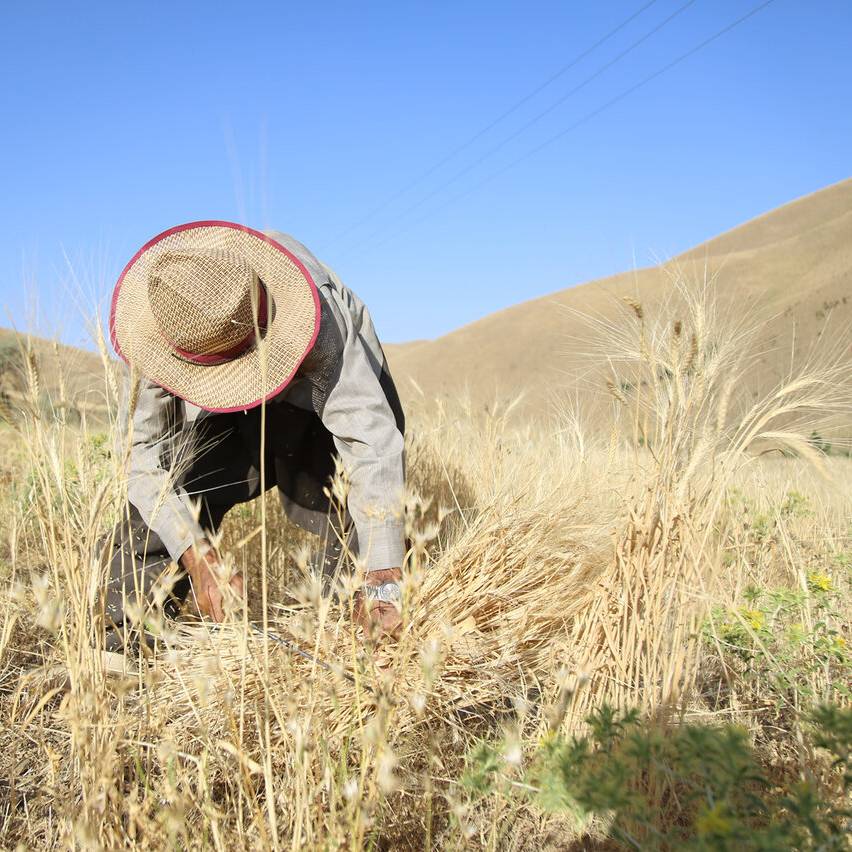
<point>686,555</point>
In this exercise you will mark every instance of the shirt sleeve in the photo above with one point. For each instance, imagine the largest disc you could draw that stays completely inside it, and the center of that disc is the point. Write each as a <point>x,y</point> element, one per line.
<point>372,450</point>
<point>152,487</point>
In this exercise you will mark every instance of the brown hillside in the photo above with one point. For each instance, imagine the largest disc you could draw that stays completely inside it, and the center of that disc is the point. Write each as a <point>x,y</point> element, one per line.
<point>65,374</point>
<point>792,266</point>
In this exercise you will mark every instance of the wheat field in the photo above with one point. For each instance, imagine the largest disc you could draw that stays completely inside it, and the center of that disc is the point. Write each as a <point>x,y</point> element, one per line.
<point>554,568</point>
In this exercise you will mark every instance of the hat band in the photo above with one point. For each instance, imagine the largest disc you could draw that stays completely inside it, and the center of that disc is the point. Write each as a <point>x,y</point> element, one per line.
<point>212,359</point>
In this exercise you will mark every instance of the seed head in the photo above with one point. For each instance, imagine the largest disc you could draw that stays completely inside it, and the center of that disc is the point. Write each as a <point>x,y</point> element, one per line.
<point>635,306</point>
<point>611,387</point>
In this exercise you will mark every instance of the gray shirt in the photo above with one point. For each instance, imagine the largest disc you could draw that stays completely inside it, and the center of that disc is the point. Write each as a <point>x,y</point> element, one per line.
<point>351,403</point>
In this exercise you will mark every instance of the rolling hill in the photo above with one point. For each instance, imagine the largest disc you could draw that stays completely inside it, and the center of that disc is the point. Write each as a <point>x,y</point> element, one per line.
<point>64,374</point>
<point>792,265</point>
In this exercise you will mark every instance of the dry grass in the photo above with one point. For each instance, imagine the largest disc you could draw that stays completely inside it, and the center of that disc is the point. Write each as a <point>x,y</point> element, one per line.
<point>550,571</point>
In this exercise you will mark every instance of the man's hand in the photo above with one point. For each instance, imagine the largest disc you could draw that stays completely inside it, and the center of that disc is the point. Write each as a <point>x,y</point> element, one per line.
<point>378,618</point>
<point>202,564</point>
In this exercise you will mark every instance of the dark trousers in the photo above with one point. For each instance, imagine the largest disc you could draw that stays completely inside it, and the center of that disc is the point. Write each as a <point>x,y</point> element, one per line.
<point>225,471</point>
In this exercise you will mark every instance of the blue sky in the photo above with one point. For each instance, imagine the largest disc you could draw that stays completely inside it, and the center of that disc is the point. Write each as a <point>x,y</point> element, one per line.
<point>120,120</point>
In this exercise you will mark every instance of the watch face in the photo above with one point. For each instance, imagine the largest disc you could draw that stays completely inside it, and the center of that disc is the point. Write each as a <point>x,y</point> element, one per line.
<point>388,592</point>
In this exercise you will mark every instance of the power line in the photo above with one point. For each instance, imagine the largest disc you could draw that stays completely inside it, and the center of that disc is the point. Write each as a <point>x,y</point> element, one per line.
<point>579,123</point>
<point>535,119</point>
<point>480,133</point>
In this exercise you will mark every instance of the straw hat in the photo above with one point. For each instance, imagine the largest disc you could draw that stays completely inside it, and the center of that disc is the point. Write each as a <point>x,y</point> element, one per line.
<point>216,313</point>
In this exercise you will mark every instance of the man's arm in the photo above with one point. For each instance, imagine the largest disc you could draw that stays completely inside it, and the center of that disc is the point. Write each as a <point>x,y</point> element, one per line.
<point>371,447</point>
<point>163,504</point>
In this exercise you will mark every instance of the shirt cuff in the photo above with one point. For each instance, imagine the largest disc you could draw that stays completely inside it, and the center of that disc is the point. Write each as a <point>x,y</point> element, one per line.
<point>383,546</point>
<point>177,527</point>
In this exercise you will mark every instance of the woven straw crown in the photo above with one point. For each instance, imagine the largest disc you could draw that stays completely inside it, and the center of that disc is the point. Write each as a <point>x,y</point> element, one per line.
<point>186,309</point>
<point>179,289</point>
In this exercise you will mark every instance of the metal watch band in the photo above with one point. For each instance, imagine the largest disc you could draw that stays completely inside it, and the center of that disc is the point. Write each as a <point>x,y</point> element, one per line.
<point>387,592</point>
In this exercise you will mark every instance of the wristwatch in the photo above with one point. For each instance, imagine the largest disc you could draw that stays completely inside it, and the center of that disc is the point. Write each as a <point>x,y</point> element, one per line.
<point>387,592</point>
